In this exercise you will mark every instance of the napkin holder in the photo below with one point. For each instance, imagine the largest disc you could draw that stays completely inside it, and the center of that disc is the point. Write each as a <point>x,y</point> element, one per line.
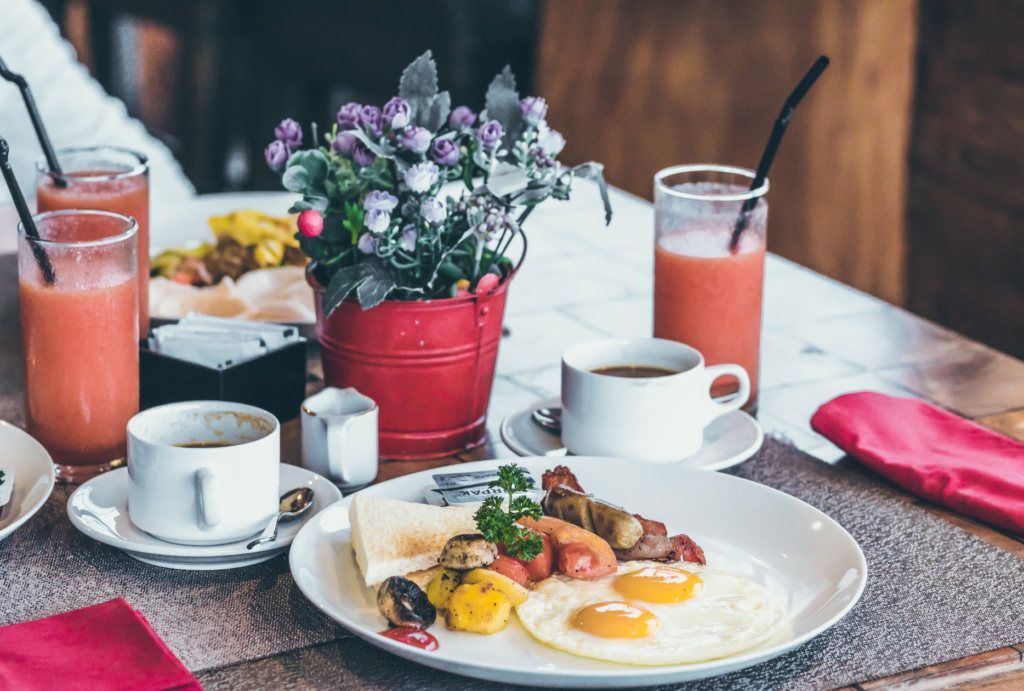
<point>275,381</point>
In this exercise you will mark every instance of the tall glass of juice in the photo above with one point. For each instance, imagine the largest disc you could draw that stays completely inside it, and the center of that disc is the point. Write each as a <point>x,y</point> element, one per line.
<point>104,178</point>
<point>707,288</point>
<point>80,337</point>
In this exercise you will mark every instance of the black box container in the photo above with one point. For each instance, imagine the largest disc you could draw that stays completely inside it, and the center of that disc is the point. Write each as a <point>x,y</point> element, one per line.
<point>275,382</point>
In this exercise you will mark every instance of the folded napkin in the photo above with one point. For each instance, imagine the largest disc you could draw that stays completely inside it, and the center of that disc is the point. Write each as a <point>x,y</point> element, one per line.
<point>105,647</point>
<point>932,453</point>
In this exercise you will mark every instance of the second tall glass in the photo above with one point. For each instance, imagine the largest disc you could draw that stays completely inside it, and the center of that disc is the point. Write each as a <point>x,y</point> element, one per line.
<point>707,290</point>
<point>103,178</point>
<point>80,337</point>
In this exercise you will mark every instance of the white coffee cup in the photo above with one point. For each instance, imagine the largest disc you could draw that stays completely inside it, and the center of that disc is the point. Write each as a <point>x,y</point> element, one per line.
<point>339,437</point>
<point>203,495</point>
<point>653,419</point>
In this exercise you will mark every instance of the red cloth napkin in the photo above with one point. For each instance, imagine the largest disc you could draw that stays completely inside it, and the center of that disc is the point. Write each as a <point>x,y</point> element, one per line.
<point>932,453</point>
<point>105,647</point>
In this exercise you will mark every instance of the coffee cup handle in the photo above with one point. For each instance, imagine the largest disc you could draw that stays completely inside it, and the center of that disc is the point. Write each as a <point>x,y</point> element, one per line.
<point>337,429</point>
<point>714,372</point>
<point>208,487</point>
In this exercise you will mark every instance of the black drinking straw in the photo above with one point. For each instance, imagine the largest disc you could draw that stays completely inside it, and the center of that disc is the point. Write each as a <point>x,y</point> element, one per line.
<point>26,216</point>
<point>773,144</point>
<point>37,122</point>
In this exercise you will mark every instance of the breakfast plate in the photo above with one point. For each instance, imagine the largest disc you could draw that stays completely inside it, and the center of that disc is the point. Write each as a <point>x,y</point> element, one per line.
<point>730,438</point>
<point>33,476</point>
<point>794,550</point>
<point>99,508</point>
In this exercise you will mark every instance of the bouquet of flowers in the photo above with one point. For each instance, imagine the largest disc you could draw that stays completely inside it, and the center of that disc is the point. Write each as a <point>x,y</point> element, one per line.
<point>415,201</point>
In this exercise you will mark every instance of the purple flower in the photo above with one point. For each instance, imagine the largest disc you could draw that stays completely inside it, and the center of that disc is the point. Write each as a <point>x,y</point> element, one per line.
<point>362,155</point>
<point>396,113</point>
<point>408,239</point>
<point>533,108</point>
<point>433,209</point>
<point>416,139</point>
<point>377,220</point>
<point>489,134</point>
<point>277,155</point>
<point>366,244</point>
<point>550,140</point>
<point>444,152</point>
<point>379,199</point>
<point>371,120</point>
<point>462,117</point>
<point>344,142</point>
<point>422,176</point>
<point>289,132</point>
<point>348,116</point>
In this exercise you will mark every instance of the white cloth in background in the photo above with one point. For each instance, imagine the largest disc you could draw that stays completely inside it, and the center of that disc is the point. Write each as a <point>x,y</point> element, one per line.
<point>75,108</point>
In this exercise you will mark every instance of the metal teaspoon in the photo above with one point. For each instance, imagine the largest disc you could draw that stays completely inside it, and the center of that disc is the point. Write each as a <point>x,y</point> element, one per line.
<point>293,504</point>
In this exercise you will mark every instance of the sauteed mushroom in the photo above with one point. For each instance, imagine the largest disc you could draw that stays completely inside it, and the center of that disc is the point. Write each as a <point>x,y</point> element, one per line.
<point>403,603</point>
<point>467,552</point>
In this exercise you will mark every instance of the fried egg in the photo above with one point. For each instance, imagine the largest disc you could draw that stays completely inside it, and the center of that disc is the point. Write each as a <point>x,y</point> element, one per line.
<point>653,614</point>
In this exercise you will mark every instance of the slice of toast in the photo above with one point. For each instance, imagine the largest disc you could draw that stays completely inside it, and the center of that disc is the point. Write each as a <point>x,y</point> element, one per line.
<point>395,538</point>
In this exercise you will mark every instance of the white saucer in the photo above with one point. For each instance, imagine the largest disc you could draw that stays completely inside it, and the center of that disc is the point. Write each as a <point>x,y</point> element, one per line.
<point>99,508</point>
<point>730,439</point>
<point>33,475</point>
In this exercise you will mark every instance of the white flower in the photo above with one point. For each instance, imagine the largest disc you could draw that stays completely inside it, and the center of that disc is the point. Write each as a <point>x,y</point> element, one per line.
<point>379,199</point>
<point>549,140</point>
<point>408,240</point>
<point>366,244</point>
<point>422,176</point>
<point>377,220</point>
<point>433,209</point>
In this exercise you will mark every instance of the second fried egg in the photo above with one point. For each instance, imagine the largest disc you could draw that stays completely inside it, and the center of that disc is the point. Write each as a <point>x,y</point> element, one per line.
<point>653,614</point>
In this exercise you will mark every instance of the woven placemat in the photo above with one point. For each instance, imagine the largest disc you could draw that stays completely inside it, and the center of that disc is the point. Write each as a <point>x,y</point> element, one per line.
<point>208,618</point>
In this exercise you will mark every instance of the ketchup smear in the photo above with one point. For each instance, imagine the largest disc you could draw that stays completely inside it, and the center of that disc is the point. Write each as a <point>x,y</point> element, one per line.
<point>410,635</point>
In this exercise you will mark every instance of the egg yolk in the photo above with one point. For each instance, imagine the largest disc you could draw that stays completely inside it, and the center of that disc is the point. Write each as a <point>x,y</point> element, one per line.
<point>659,584</point>
<point>615,620</point>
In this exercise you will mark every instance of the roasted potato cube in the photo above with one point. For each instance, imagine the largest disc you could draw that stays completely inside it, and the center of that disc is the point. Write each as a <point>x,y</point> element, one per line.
<point>515,593</point>
<point>441,588</point>
<point>479,608</point>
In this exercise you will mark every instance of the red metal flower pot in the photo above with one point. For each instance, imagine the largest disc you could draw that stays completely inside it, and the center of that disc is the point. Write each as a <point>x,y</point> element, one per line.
<point>429,365</point>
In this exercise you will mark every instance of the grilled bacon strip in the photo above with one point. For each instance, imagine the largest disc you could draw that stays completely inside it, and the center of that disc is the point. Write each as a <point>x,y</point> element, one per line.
<point>653,545</point>
<point>560,476</point>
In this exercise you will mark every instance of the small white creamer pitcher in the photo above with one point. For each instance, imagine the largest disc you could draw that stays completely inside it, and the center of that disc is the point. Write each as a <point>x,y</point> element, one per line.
<point>339,437</point>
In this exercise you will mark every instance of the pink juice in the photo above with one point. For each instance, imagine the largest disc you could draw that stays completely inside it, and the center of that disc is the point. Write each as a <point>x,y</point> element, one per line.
<point>80,344</point>
<point>127,195</point>
<point>710,299</point>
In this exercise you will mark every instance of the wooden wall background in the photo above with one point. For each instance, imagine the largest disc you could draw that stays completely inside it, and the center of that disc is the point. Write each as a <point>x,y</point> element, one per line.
<point>644,84</point>
<point>965,226</point>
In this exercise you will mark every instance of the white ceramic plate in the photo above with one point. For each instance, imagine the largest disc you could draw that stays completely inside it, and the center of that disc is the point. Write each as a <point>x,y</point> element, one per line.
<point>99,508</point>
<point>796,551</point>
<point>729,439</point>
<point>33,475</point>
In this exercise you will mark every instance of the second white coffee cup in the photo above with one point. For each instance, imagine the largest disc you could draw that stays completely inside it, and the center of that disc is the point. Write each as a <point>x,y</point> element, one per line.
<point>203,472</point>
<point>656,418</point>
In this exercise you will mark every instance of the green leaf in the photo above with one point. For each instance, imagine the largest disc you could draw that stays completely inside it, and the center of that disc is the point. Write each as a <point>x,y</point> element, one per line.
<point>418,86</point>
<point>295,179</point>
<point>503,106</point>
<point>595,171</point>
<point>316,165</point>
<point>373,146</point>
<point>507,179</point>
<point>375,287</point>
<point>434,117</point>
<point>341,284</point>
<point>300,206</point>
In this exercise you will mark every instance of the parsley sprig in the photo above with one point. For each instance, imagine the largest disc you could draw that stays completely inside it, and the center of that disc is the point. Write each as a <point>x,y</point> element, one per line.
<point>497,525</point>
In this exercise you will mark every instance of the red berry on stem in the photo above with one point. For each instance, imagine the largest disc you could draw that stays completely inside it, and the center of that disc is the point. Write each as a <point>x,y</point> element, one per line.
<point>486,284</point>
<point>311,223</point>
